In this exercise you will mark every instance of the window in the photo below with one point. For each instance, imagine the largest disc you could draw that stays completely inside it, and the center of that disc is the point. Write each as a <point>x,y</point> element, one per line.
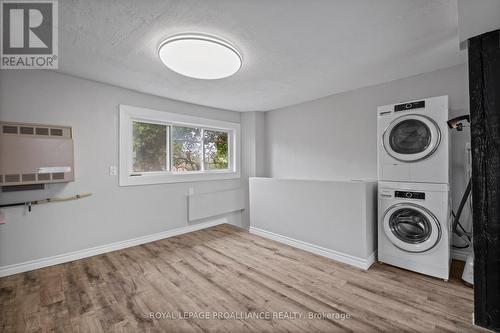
<point>215,150</point>
<point>150,147</point>
<point>186,148</point>
<point>161,147</point>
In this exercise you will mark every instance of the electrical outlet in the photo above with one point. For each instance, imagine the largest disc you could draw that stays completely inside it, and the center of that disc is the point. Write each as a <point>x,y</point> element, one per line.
<point>113,170</point>
<point>191,191</point>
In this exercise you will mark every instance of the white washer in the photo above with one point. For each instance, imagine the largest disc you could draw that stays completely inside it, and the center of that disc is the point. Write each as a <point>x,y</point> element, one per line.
<point>413,141</point>
<point>414,228</point>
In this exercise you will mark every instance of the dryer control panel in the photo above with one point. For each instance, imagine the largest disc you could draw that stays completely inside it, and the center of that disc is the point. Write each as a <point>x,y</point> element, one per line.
<point>409,195</point>
<point>409,106</point>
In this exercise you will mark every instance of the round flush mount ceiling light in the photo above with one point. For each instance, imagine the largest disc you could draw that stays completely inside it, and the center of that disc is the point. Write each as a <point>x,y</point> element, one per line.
<point>200,56</point>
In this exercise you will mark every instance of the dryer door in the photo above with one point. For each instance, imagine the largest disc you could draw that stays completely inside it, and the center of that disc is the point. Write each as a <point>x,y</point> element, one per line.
<point>411,227</point>
<point>411,138</point>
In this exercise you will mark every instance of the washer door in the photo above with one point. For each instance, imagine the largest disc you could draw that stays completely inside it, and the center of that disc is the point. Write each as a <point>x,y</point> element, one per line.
<point>411,227</point>
<point>411,138</point>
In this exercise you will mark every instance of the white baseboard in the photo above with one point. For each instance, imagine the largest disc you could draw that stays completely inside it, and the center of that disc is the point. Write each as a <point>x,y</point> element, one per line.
<point>460,254</point>
<point>335,255</point>
<point>62,258</point>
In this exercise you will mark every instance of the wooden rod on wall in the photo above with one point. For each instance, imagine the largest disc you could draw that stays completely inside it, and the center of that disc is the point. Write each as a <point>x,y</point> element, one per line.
<point>48,200</point>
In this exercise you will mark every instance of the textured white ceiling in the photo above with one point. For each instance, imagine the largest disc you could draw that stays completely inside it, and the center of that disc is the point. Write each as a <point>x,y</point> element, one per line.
<point>293,51</point>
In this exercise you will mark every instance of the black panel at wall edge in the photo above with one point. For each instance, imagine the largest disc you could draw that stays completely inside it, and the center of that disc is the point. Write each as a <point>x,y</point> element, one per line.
<point>484,89</point>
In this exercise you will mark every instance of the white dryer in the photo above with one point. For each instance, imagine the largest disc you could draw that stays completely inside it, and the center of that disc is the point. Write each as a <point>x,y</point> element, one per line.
<point>413,141</point>
<point>414,228</point>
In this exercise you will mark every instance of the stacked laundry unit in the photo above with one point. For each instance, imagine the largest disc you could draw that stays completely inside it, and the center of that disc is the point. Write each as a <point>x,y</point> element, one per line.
<point>414,224</point>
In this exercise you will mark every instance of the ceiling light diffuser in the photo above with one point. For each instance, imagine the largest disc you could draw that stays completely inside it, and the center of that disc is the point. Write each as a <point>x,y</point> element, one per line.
<point>200,56</point>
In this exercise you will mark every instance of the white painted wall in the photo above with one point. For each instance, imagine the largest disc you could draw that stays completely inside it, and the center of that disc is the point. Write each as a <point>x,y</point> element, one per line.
<point>113,213</point>
<point>336,137</point>
<point>337,217</point>
<point>477,17</point>
<point>253,152</point>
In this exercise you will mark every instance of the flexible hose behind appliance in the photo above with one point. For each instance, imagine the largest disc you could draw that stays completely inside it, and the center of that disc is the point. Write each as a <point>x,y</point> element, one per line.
<point>456,220</point>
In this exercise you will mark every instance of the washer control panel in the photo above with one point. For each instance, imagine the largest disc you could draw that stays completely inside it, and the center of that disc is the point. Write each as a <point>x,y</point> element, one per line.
<point>409,195</point>
<point>409,106</point>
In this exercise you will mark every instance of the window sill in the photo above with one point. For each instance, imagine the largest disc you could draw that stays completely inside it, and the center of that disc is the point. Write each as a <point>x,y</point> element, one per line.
<point>150,179</point>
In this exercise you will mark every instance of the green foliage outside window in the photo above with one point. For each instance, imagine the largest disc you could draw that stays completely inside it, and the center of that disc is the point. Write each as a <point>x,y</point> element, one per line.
<point>188,146</point>
<point>150,147</point>
<point>216,150</point>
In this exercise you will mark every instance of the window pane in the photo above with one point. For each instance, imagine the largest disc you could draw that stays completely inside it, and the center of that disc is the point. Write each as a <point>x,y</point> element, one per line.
<point>186,146</point>
<point>216,150</point>
<point>150,147</point>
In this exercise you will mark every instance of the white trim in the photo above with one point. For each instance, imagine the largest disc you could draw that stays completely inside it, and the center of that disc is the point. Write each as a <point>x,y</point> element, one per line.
<point>332,254</point>
<point>131,113</point>
<point>460,254</point>
<point>71,256</point>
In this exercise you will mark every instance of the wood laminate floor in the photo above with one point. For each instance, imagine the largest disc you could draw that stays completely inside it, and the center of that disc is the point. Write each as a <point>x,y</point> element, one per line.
<point>240,282</point>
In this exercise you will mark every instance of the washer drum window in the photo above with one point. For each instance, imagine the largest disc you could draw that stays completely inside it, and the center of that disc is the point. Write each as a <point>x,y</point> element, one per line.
<point>411,138</point>
<point>411,227</point>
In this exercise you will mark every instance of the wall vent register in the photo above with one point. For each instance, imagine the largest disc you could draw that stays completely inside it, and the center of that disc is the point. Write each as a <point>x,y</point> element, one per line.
<point>35,154</point>
<point>38,130</point>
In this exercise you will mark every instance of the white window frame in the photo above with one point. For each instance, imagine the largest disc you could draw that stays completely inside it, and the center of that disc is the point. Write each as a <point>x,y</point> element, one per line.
<point>130,114</point>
